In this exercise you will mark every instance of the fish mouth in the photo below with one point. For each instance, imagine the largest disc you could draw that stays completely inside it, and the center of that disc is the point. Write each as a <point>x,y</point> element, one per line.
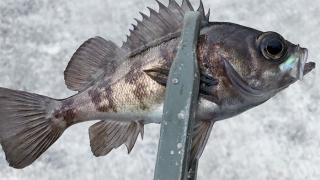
<point>296,65</point>
<point>306,67</point>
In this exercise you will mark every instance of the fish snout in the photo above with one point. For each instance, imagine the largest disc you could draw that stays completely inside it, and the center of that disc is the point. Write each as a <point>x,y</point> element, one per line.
<point>296,65</point>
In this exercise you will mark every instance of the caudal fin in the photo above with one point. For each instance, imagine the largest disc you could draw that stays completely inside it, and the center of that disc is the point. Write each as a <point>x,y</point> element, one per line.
<point>27,127</point>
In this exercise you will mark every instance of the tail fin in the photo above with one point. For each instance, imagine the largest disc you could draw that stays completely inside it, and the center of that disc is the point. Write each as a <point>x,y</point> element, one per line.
<point>27,126</point>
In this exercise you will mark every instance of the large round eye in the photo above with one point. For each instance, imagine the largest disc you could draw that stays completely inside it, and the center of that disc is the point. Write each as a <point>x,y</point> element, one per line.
<point>272,45</point>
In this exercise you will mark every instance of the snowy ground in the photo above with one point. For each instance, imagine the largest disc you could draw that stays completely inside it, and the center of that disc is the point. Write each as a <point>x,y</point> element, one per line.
<point>277,140</point>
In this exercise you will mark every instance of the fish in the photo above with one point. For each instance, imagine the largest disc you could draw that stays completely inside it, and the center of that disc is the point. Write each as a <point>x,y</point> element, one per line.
<point>124,87</point>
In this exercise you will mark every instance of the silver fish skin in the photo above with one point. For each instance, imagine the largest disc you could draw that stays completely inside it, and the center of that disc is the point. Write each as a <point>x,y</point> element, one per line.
<point>240,68</point>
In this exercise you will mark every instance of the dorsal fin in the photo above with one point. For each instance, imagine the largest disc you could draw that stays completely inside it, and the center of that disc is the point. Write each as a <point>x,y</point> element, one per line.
<point>160,27</point>
<point>97,55</point>
<point>92,58</point>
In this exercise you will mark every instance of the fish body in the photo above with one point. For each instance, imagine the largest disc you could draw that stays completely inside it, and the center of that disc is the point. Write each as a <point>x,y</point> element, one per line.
<point>240,68</point>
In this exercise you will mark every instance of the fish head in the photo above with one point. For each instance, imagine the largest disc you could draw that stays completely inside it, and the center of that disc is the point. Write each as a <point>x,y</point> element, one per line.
<point>258,64</point>
<point>285,62</point>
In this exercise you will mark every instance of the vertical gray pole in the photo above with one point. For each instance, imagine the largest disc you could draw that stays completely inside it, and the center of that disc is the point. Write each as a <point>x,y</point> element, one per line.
<point>180,106</point>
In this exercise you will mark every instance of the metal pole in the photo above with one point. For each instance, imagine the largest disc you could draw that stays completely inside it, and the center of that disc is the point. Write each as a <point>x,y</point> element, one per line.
<point>180,106</point>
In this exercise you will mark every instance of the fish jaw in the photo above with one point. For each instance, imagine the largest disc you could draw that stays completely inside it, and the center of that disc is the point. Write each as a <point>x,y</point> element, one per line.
<point>296,65</point>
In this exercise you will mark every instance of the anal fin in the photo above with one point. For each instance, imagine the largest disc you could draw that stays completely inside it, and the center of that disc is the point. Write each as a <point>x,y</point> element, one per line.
<point>201,133</point>
<point>108,135</point>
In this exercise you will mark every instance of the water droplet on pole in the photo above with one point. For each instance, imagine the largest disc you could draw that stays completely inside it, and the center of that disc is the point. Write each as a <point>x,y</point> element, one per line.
<point>175,81</point>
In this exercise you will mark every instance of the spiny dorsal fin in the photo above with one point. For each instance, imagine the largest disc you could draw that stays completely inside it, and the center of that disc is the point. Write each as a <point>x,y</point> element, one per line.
<point>108,135</point>
<point>161,26</point>
<point>97,55</point>
<point>204,17</point>
<point>92,58</point>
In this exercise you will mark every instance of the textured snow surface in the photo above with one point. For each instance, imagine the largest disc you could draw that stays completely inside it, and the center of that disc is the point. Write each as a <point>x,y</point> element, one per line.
<point>277,140</point>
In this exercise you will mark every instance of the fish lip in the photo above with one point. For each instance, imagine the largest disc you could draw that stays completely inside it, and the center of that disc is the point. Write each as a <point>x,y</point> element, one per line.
<point>307,66</point>
<point>301,66</point>
<point>303,61</point>
<point>303,56</point>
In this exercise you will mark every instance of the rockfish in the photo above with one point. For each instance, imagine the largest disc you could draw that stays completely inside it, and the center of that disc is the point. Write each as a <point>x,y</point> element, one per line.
<point>124,87</point>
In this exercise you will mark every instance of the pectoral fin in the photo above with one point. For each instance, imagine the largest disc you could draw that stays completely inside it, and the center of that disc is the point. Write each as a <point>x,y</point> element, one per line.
<point>207,82</point>
<point>108,135</point>
<point>200,137</point>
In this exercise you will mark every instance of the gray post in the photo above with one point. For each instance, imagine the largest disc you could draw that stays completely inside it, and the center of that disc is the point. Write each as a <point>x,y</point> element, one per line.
<point>180,107</point>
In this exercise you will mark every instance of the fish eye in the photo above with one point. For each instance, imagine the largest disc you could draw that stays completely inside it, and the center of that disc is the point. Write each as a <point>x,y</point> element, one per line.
<point>272,45</point>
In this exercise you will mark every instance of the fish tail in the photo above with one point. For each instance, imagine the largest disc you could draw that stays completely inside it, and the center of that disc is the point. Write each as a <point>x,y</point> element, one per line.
<point>27,126</point>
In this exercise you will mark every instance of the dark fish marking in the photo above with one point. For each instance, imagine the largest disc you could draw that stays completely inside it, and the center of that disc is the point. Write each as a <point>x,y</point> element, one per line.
<point>100,94</point>
<point>68,116</point>
<point>207,54</point>
<point>66,112</point>
<point>111,103</point>
<point>95,97</point>
<point>134,73</point>
<point>141,94</point>
<point>202,51</point>
<point>211,60</point>
<point>133,77</point>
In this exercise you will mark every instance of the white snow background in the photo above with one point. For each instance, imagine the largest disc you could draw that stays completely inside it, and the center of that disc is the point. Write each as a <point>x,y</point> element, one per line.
<point>278,140</point>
